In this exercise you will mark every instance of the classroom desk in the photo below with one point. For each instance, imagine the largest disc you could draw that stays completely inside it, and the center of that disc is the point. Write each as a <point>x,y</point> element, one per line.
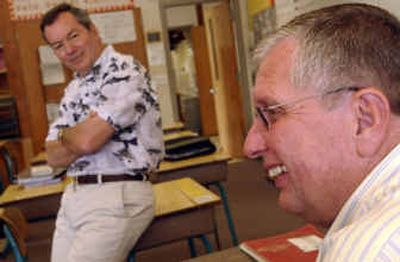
<point>209,170</point>
<point>184,209</point>
<point>35,202</point>
<point>231,254</point>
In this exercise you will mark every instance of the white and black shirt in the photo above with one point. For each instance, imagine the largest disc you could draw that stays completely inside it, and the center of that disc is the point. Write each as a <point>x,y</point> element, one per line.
<point>118,88</point>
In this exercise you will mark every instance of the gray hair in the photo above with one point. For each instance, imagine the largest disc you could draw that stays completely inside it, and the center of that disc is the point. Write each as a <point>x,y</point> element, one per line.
<point>342,46</point>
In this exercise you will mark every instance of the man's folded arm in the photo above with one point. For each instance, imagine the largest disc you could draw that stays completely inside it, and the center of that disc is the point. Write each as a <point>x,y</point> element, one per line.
<point>85,138</point>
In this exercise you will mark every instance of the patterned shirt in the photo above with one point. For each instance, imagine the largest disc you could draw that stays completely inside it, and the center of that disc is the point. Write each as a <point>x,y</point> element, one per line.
<point>118,88</point>
<point>368,226</point>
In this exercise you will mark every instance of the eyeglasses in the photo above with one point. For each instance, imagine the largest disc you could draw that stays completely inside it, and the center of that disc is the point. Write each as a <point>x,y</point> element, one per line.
<point>270,114</point>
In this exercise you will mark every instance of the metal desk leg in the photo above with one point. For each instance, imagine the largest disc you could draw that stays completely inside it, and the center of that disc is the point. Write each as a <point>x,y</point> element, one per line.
<point>207,245</point>
<point>227,210</point>
<point>192,247</point>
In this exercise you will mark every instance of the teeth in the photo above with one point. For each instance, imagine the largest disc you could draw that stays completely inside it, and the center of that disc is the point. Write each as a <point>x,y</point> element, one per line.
<point>276,171</point>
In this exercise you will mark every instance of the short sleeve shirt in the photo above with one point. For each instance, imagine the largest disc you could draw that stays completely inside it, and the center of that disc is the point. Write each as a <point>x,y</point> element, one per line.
<point>118,88</point>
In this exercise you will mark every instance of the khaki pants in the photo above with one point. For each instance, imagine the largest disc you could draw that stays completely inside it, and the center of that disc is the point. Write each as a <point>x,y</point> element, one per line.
<point>101,222</point>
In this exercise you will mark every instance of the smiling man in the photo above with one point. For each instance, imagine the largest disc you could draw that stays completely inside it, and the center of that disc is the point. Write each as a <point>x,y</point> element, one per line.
<point>327,98</point>
<point>109,138</point>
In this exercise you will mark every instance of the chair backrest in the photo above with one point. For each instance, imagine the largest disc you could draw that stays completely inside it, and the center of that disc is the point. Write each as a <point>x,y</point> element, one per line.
<point>16,231</point>
<point>10,164</point>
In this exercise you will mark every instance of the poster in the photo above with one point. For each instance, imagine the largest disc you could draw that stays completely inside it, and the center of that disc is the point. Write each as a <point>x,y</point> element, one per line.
<point>23,10</point>
<point>115,27</point>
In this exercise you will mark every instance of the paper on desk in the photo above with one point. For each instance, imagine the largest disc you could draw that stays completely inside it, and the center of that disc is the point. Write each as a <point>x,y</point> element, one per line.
<point>41,170</point>
<point>306,243</point>
<point>38,180</point>
<point>195,192</point>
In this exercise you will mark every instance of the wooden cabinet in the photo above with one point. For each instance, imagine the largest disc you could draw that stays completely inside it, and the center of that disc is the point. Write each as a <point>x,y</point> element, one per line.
<point>3,72</point>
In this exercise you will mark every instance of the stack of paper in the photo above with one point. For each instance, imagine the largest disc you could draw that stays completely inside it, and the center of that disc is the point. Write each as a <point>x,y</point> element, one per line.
<point>40,175</point>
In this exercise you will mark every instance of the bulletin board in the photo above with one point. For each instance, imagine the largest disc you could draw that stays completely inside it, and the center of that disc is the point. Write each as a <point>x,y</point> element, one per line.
<point>22,10</point>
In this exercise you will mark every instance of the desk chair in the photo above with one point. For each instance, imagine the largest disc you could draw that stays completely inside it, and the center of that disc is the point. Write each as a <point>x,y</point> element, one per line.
<point>15,229</point>
<point>11,166</point>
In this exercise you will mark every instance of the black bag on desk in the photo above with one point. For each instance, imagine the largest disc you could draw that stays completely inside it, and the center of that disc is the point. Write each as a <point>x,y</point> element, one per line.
<point>187,147</point>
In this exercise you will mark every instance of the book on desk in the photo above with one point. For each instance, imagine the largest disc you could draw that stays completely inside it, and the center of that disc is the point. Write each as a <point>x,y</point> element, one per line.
<point>38,175</point>
<point>298,245</point>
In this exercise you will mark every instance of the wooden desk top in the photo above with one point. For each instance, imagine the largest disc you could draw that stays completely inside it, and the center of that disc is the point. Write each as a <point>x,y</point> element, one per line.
<point>231,254</point>
<point>39,158</point>
<point>16,193</point>
<point>166,166</point>
<point>180,195</point>
<point>176,126</point>
<point>179,134</point>
<point>216,157</point>
<point>170,197</point>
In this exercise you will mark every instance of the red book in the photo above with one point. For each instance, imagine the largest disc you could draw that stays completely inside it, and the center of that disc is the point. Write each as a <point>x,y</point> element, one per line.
<point>299,245</point>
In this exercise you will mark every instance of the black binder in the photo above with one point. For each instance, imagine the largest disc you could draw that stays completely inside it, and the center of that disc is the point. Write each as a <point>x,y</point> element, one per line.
<point>187,147</point>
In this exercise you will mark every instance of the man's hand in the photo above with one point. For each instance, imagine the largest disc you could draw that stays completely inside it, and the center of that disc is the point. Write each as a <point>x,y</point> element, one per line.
<point>88,136</point>
<point>85,138</point>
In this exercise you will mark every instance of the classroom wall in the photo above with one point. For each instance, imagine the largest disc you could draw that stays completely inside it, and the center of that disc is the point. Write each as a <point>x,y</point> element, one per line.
<point>181,16</point>
<point>157,61</point>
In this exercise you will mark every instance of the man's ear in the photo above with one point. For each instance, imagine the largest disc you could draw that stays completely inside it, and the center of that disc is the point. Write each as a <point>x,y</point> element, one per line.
<point>372,112</point>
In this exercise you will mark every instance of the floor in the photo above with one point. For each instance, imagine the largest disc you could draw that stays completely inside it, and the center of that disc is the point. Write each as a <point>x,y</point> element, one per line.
<point>253,205</point>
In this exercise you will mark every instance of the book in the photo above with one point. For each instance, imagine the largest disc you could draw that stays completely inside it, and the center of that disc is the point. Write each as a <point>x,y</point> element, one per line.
<point>298,245</point>
<point>39,175</point>
<point>38,181</point>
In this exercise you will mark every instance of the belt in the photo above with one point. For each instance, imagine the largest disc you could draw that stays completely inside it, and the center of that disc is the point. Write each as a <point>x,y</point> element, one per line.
<point>99,178</point>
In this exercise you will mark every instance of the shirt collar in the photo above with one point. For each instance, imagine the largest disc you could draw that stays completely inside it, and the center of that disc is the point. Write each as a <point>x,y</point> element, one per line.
<point>104,56</point>
<point>371,189</point>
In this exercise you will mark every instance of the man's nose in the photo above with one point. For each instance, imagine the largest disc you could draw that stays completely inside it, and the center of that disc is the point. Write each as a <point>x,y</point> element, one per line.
<point>254,144</point>
<point>68,47</point>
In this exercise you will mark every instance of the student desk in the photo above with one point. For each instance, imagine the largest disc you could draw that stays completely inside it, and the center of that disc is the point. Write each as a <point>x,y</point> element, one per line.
<point>209,170</point>
<point>231,254</point>
<point>184,209</point>
<point>35,202</point>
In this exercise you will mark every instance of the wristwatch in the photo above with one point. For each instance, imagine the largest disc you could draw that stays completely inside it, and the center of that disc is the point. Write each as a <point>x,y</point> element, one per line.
<point>60,135</point>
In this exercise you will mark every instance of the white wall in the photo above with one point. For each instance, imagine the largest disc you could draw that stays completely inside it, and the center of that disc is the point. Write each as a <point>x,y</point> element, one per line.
<point>181,16</point>
<point>156,55</point>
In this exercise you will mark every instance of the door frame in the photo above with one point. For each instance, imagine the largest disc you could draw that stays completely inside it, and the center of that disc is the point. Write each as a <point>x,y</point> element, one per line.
<point>241,57</point>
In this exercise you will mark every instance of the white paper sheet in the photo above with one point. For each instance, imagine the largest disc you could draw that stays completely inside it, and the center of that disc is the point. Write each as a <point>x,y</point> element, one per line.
<point>115,27</point>
<point>156,53</point>
<point>50,65</point>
